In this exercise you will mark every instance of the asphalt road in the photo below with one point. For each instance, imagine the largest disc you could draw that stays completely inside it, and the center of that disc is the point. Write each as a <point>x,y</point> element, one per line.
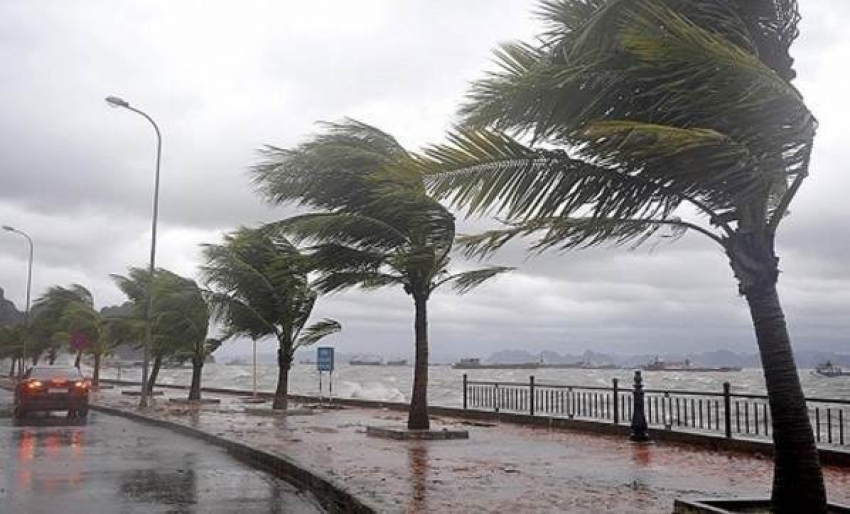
<point>114,465</point>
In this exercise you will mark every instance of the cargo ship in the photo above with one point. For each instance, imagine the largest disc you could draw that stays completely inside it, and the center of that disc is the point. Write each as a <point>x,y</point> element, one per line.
<point>366,360</point>
<point>477,364</point>
<point>828,369</point>
<point>686,365</point>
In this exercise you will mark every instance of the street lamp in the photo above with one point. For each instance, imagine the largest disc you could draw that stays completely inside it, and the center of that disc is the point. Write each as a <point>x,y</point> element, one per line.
<point>7,228</point>
<point>116,102</point>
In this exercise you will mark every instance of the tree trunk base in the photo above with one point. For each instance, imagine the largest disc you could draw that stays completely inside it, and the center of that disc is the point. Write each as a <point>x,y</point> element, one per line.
<point>406,434</point>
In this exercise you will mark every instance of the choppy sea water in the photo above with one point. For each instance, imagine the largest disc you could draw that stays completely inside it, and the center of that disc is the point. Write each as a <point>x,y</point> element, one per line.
<point>445,388</point>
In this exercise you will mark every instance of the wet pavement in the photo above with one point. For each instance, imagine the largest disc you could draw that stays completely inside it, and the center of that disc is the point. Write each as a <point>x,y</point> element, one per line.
<point>50,464</point>
<point>501,468</point>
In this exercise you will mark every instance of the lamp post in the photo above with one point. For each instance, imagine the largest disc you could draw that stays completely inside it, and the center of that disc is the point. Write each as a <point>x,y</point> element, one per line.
<point>7,228</point>
<point>114,101</point>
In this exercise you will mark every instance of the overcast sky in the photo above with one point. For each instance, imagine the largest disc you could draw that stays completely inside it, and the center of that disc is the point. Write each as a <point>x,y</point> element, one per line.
<point>223,78</point>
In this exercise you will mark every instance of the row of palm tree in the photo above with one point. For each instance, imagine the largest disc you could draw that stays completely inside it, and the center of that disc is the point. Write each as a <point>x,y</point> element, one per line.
<point>256,286</point>
<point>624,120</point>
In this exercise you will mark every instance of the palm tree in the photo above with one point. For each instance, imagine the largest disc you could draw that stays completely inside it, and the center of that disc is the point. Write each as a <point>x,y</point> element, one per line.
<point>378,227</point>
<point>48,330</point>
<point>258,287</point>
<point>102,333</point>
<point>640,115</point>
<point>176,316</point>
<point>181,314</point>
<point>63,313</point>
<point>11,345</point>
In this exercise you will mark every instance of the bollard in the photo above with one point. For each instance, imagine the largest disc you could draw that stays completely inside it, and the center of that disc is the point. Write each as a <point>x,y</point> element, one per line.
<point>615,383</point>
<point>639,427</point>
<point>727,408</point>
<point>464,391</point>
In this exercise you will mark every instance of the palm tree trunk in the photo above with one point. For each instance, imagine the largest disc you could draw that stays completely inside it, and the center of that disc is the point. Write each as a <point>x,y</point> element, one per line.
<point>96,375</point>
<point>157,362</point>
<point>418,416</point>
<point>281,394</point>
<point>797,478</point>
<point>195,388</point>
<point>78,359</point>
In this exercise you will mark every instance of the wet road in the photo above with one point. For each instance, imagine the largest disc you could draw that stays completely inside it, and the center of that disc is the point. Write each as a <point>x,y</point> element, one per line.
<point>114,465</point>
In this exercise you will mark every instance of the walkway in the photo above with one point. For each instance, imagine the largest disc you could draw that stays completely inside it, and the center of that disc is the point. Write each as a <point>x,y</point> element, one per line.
<point>501,468</point>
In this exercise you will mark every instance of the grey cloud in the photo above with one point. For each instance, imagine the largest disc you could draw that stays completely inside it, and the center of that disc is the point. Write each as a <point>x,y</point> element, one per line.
<point>223,78</point>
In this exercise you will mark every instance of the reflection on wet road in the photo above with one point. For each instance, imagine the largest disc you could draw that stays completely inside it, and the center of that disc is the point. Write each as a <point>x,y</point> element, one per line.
<point>109,464</point>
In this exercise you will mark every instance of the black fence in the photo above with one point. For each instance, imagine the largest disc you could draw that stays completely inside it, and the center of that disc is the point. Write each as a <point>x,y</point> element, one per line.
<point>723,412</point>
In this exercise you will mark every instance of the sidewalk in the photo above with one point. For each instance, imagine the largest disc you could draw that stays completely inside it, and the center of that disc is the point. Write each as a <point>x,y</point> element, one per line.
<point>501,468</point>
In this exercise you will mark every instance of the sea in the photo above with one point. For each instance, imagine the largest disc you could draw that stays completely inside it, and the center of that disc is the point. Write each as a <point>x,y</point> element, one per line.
<point>445,384</point>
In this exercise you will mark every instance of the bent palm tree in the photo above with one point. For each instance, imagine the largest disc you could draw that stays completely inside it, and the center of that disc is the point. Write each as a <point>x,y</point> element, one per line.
<point>48,329</point>
<point>665,107</point>
<point>175,313</point>
<point>258,287</point>
<point>67,312</point>
<point>379,228</point>
<point>181,316</point>
<point>11,345</point>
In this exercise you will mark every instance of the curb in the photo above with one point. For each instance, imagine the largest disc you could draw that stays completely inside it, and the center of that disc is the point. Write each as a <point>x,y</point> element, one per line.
<point>332,496</point>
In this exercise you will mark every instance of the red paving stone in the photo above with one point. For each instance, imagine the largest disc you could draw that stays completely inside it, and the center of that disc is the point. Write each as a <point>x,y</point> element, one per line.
<point>504,468</point>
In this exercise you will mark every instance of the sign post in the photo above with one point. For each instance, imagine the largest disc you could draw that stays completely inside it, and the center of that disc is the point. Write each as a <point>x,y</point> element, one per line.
<point>325,362</point>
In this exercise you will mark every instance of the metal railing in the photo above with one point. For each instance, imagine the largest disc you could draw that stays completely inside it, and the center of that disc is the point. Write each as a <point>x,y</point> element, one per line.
<point>732,415</point>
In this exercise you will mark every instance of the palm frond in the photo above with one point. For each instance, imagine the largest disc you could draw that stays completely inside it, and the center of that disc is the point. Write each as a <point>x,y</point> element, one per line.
<point>465,282</point>
<point>318,331</point>
<point>570,233</point>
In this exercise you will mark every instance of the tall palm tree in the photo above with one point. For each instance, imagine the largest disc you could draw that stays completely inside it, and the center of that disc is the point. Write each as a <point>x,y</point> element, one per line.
<point>377,226</point>
<point>642,113</point>
<point>258,287</point>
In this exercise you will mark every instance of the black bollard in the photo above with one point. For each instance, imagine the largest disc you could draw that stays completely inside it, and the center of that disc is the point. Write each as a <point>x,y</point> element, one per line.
<point>639,427</point>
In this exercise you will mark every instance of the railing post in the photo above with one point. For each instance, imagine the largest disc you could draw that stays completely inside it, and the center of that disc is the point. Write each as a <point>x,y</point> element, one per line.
<point>496,396</point>
<point>616,384</point>
<point>727,407</point>
<point>464,391</point>
<point>639,427</point>
<point>531,395</point>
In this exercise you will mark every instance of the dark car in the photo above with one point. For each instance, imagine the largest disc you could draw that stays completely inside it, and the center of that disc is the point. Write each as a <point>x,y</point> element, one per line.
<point>50,388</point>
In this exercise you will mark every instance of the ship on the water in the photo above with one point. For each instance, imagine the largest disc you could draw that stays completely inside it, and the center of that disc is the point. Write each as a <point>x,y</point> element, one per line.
<point>828,369</point>
<point>397,362</point>
<point>366,360</point>
<point>475,363</point>
<point>686,365</point>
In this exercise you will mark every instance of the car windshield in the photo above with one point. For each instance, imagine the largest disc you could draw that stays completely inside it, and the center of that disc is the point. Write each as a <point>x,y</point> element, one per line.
<point>44,373</point>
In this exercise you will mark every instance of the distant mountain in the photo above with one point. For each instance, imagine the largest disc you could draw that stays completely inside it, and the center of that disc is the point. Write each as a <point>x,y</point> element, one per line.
<point>513,357</point>
<point>9,314</point>
<point>804,358</point>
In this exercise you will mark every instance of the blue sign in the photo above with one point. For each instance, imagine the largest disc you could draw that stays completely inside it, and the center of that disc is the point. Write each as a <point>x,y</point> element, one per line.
<point>325,358</point>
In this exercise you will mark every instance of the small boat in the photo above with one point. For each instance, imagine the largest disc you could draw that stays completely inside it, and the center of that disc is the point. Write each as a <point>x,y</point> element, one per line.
<point>828,369</point>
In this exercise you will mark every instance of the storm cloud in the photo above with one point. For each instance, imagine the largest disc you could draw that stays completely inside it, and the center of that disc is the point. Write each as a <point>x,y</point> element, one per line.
<point>224,78</point>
